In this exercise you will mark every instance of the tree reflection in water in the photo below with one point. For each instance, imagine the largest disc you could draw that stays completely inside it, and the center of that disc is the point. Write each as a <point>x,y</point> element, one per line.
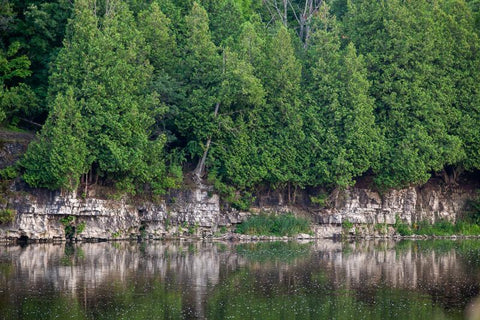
<point>266,280</point>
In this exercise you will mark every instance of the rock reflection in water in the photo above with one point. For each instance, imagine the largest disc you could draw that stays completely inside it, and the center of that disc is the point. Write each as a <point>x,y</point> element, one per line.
<point>171,280</point>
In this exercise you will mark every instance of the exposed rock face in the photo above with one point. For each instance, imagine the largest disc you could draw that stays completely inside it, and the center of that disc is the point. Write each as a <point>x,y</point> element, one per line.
<point>431,202</point>
<point>198,212</point>
<point>38,217</point>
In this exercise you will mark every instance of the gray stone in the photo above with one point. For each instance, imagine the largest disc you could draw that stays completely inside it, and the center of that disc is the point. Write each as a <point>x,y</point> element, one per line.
<point>197,212</point>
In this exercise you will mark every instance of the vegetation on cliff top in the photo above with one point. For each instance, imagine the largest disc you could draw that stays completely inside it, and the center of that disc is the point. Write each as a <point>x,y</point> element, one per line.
<point>316,93</point>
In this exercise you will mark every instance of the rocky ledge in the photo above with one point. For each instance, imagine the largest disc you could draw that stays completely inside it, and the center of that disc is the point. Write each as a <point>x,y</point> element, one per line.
<point>49,216</point>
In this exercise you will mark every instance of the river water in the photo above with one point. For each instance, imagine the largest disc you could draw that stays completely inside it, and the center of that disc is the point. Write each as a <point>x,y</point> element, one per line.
<point>437,279</point>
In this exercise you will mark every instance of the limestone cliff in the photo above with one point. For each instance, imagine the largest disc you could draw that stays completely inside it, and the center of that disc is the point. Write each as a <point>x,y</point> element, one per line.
<point>198,212</point>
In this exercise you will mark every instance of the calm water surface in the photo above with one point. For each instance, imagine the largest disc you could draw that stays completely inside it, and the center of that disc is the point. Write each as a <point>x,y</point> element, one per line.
<point>204,280</point>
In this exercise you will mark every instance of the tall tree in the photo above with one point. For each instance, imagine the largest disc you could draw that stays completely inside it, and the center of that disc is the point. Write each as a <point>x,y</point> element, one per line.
<point>342,136</point>
<point>162,52</point>
<point>39,28</point>
<point>104,63</point>
<point>281,121</point>
<point>201,74</point>
<point>58,157</point>
<point>154,26</point>
<point>226,19</point>
<point>295,12</point>
<point>412,88</point>
<point>16,96</point>
<point>234,155</point>
<point>460,52</point>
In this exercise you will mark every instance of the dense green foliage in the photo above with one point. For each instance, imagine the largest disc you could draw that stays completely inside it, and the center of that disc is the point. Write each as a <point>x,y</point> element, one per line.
<point>251,95</point>
<point>103,108</point>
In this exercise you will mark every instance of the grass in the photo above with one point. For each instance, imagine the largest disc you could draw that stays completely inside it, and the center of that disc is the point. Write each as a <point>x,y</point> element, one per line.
<point>274,225</point>
<point>447,228</point>
<point>439,228</point>
<point>381,228</point>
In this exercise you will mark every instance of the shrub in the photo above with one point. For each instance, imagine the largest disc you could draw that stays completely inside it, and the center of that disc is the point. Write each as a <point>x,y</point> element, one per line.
<point>381,228</point>
<point>319,200</point>
<point>7,215</point>
<point>439,228</point>
<point>347,225</point>
<point>468,229</point>
<point>240,200</point>
<point>473,211</point>
<point>81,227</point>
<point>9,173</point>
<point>192,230</point>
<point>402,228</point>
<point>71,227</point>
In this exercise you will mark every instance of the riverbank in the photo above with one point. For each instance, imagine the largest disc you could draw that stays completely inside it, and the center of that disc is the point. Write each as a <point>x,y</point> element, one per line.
<point>197,212</point>
<point>236,237</point>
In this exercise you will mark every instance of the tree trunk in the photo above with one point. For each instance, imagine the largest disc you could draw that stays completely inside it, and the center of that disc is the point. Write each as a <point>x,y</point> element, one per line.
<point>198,172</point>
<point>85,192</point>
<point>289,193</point>
<point>31,122</point>
<point>295,194</point>
<point>450,175</point>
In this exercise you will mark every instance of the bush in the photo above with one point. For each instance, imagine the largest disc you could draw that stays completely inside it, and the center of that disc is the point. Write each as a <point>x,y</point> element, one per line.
<point>81,227</point>
<point>9,173</point>
<point>7,215</point>
<point>402,228</point>
<point>274,225</point>
<point>72,228</point>
<point>439,228</point>
<point>347,225</point>
<point>468,229</point>
<point>473,211</point>
<point>381,228</point>
<point>319,200</point>
<point>240,200</point>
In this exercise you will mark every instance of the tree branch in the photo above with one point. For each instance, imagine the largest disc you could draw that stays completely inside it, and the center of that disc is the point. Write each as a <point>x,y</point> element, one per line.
<point>31,122</point>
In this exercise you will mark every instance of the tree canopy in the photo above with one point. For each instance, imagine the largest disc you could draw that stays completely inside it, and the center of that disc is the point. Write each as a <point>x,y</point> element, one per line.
<point>248,94</point>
